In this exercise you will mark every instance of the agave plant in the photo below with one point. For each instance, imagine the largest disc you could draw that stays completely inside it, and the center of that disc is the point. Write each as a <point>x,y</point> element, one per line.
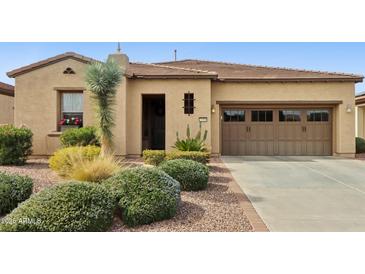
<point>102,80</point>
<point>196,143</point>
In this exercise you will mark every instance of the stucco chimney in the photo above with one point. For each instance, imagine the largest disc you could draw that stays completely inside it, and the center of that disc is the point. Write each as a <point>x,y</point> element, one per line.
<point>121,59</point>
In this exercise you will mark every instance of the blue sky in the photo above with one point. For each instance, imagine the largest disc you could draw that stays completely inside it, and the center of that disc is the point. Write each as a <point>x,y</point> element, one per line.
<point>340,57</point>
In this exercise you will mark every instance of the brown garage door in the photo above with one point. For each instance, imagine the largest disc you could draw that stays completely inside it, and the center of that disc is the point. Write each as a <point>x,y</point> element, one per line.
<point>276,131</point>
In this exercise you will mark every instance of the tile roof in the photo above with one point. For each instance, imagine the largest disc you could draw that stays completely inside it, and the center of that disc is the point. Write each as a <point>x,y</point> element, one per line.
<point>244,72</point>
<point>204,69</point>
<point>6,89</point>
<point>48,61</point>
<point>141,70</point>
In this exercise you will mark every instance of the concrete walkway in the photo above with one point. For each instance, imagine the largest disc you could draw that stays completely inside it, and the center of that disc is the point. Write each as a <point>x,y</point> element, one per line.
<point>303,193</point>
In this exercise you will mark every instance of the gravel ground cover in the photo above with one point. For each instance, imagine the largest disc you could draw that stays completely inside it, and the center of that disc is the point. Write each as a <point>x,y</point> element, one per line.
<point>214,209</point>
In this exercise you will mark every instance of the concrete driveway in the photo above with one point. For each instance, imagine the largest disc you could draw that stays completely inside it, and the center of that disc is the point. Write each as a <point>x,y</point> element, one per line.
<point>303,193</point>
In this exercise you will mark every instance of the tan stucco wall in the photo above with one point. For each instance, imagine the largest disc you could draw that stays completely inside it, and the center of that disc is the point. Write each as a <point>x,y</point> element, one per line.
<point>37,101</point>
<point>6,109</point>
<point>344,123</point>
<point>37,106</point>
<point>360,120</point>
<point>176,120</point>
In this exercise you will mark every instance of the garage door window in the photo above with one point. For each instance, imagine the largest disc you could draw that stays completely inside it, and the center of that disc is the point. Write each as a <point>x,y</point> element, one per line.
<point>317,115</point>
<point>234,115</point>
<point>289,115</point>
<point>261,115</point>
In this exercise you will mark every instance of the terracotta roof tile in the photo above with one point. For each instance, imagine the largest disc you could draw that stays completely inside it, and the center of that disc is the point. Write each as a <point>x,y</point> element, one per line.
<point>141,70</point>
<point>232,71</point>
<point>205,69</point>
<point>49,61</point>
<point>6,89</point>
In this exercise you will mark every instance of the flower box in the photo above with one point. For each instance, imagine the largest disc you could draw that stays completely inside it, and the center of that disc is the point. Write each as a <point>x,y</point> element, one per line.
<point>65,127</point>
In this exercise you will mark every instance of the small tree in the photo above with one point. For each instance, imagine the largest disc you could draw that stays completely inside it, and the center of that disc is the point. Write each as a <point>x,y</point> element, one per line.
<point>102,80</point>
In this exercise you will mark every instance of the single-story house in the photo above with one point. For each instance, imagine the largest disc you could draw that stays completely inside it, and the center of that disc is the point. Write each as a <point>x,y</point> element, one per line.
<point>360,114</point>
<point>246,109</point>
<point>6,103</point>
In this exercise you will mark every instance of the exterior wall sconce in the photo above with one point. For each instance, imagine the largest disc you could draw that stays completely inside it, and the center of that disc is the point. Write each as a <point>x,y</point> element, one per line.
<point>213,109</point>
<point>348,108</point>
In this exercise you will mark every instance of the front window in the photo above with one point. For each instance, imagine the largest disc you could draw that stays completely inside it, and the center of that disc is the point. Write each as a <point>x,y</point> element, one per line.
<point>189,103</point>
<point>71,108</point>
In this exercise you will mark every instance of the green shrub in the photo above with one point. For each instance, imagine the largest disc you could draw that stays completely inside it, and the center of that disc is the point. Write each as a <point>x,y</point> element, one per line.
<point>62,160</point>
<point>72,206</point>
<point>145,195</point>
<point>85,136</point>
<point>198,156</point>
<point>191,143</point>
<point>153,157</point>
<point>15,145</point>
<point>190,174</point>
<point>360,145</point>
<point>14,189</point>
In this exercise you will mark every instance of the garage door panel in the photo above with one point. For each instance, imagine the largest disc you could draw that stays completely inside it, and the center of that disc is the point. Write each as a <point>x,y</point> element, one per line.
<point>269,132</point>
<point>261,132</point>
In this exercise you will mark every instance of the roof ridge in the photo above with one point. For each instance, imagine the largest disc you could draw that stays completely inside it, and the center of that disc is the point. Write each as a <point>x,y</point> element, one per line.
<point>43,62</point>
<point>272,67</point>
<point>172,67</point>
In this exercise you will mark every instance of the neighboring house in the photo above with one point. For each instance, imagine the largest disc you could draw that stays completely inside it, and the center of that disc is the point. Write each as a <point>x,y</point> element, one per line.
<point>247,110</point>
<point>360,115</point>
<point>6,104</point>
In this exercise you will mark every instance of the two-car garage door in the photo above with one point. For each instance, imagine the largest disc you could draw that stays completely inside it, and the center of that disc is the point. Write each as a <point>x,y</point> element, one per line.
<point>276,131</point>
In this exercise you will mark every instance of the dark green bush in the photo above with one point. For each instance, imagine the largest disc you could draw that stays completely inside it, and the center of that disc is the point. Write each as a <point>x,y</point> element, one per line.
<point>360,145</point>
<point>72,206</point>
<point>145,195</point>
<point>190,174</point>
<point>153,157</point>
<point>85,136</point>
<point>15,145</point>
<point>14,189</point>
<point>201,157</point>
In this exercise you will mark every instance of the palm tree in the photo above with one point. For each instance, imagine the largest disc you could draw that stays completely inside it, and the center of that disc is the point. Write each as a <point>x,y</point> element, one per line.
<point>102,80</point>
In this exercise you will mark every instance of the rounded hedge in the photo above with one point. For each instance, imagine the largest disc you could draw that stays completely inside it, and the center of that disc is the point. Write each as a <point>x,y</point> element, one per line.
<point>14,189</point>
<point>153,157</point>
<point>190,174</point>
<point>198,156</point>
<point>360,145</point>
<point>63,159</point>
<point>145,195</point>
<point>72,206</point>
<point>85,136</point>
<point>15,145</point>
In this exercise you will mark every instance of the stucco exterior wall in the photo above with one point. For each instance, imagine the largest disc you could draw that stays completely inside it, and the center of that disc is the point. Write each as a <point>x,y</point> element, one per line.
<point>6,109</point>
<point>344,122</point>
<point>37,103</point>
<point>360,120</point>
<point>176,120</point>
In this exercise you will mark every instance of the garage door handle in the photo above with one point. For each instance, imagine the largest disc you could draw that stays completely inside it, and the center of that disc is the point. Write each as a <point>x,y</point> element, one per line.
<point>304,129</point>
<point>248,129</point>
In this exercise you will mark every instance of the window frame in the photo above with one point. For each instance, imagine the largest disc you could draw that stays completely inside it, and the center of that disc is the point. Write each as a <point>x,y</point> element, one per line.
<point>318,111</point>
<point>189,105</point>
<point>60,106</point>
<point>292,113</point>
<point>238,115</point>
<point>265,115</point>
